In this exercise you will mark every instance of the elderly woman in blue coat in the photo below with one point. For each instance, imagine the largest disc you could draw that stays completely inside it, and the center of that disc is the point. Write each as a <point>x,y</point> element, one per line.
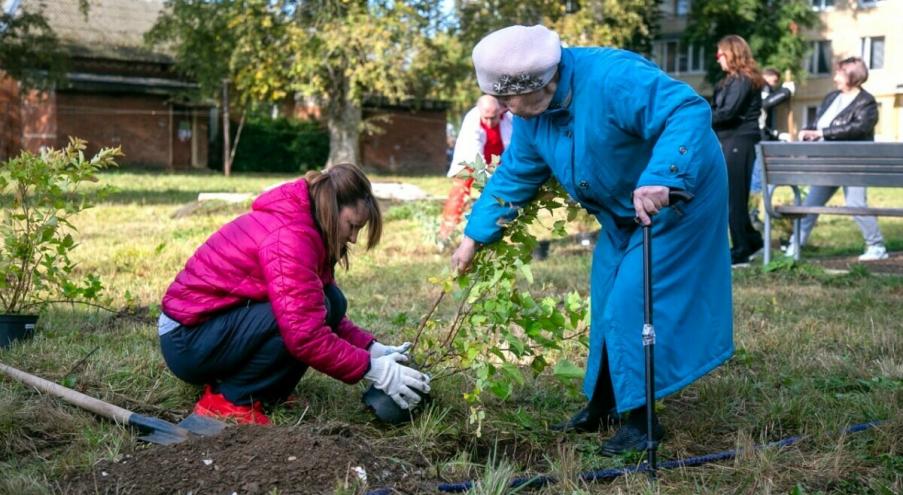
<point>618,134</point>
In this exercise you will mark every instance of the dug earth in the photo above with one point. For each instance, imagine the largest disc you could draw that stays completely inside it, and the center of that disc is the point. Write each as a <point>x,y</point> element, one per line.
<point>252,460</point>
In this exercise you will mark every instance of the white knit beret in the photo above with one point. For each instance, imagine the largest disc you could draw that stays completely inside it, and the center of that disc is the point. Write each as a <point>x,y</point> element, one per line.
<point>516,60</point>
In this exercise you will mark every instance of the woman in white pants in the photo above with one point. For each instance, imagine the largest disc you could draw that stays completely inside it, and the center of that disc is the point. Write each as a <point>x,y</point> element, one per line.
<point>847,114</point>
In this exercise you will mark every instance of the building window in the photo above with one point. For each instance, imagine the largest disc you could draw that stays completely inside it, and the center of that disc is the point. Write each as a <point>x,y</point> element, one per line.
<point>681,7</point>
<point>822,4</point>
<point>819,59</point>
<point>873,52</point>
<point>697,63</point>
<point>811,117</point>
<point>675,57</point>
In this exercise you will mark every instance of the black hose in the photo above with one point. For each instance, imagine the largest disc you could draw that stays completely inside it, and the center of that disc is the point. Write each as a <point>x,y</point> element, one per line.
<point>611,473</point>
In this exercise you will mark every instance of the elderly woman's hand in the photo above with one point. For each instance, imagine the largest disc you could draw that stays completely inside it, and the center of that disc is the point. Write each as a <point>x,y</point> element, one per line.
<point>463,256</point>
<point>648,200</point>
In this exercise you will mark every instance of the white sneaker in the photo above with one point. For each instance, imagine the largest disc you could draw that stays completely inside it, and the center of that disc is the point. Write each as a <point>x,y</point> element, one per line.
<point>873,253</point>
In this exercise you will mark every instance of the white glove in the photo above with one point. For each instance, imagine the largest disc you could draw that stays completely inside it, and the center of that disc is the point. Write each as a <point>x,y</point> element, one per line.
<point>397,381</point>
<point>380,350</point>
<point>790,85</point>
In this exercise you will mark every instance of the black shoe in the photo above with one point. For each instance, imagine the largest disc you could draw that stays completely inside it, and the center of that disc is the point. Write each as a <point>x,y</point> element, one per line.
<point>585,421</point>
<point>757,244</point>
<point>739,259</point>
<point>629,438</point>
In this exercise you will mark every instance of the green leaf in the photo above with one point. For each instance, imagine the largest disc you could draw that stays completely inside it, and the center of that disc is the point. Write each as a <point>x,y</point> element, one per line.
<point>528,274</point>
<point>566,370</point>
<point>516,345</point>
<point>513,372</point>
<point>502,389</point>
<point>538,365</point>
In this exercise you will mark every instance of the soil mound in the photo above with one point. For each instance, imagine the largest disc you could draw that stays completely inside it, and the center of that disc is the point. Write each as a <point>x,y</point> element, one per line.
<point>251,460</point>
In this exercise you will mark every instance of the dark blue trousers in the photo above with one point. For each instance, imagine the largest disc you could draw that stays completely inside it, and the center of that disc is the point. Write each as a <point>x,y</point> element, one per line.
<point>240,352</point>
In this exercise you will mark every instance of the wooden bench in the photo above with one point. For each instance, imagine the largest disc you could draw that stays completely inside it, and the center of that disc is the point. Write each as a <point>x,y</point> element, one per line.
<point>853,163</point>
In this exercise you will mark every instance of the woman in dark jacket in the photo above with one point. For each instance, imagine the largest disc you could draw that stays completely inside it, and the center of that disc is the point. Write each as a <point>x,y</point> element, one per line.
<point>848,114</point>
<point>735,118</point>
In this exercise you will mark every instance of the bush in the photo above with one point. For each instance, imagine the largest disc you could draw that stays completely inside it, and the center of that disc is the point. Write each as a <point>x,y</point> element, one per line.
<point>281,145</point>
<point>40,194</point>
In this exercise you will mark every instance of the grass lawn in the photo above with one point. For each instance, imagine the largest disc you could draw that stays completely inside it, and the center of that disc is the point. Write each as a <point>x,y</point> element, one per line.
<point>816,352</point>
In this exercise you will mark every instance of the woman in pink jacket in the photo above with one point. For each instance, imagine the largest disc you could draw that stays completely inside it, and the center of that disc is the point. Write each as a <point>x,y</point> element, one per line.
<point>257,303</point>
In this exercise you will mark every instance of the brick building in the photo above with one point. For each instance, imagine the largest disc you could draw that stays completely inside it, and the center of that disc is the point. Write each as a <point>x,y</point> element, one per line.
<point>412,140</point>
<point>404,138</point>
<point>117,92</point>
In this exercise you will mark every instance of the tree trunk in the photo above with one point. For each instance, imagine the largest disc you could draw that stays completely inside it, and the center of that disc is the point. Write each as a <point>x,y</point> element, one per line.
<point>227,149</point>
<point>343,120</point>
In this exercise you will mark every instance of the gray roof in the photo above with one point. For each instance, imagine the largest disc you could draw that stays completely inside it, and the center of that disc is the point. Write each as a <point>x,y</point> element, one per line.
<point>112,29</point>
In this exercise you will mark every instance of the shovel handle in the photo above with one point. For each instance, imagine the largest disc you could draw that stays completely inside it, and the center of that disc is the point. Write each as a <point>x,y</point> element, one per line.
<point>79,399</point>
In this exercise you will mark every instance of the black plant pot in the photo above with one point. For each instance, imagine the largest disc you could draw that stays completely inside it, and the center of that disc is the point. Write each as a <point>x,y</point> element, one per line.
<point>386,410</point>
<point>16,327</point>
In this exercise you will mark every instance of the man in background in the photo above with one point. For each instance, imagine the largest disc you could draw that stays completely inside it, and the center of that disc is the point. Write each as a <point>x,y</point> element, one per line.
<point>485,131</point>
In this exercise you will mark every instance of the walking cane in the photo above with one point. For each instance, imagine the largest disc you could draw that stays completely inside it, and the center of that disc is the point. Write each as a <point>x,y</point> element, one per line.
<point>674,197</point>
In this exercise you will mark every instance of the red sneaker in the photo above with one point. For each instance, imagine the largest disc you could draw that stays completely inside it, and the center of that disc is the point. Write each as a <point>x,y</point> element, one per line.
<point>218,406</point>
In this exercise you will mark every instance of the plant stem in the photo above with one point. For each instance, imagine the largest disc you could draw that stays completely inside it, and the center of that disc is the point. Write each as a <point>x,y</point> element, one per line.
<point>426,318</point>
<point>71,301</point>
<point>81,362</point>
<point>452,331</point>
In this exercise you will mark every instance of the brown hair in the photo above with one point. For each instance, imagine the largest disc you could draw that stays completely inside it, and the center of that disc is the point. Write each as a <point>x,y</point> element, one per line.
<point>771,71</point>
<point>740,60</point>
<point>855,69</point>
<point>336,187</point>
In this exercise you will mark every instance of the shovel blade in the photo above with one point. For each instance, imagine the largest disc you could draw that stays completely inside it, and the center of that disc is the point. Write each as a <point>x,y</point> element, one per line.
<point>160,437</point>
<point>157,430</point>
<point>202,425</point>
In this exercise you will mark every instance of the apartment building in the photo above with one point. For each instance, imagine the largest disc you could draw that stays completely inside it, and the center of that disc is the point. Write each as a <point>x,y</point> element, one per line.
<point>870,29</point>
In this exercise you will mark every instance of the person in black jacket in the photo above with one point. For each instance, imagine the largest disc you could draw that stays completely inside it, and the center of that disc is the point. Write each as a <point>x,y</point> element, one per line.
<point>848,114</point>
<point>774,95</point>
<point>735,118</point>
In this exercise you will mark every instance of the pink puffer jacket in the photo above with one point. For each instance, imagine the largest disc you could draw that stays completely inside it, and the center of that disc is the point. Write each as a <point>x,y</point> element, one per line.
<point>274,253</point>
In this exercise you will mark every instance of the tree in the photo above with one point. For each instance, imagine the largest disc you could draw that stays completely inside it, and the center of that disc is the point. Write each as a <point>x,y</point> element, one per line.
<point>629,24</point>
<point>198,33</point>
<point>30,51</point>
<point>771,27</point>
<point>341,51</point>
<point>337,52</point>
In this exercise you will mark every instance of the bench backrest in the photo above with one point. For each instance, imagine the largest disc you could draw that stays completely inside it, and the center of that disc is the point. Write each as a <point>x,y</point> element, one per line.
<point>851,163</point>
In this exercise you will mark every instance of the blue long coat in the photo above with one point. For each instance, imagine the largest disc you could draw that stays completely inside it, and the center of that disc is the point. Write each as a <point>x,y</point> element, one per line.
<point>617,122</point>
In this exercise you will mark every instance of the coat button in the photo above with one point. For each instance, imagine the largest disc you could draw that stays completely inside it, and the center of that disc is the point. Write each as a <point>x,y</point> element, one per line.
<point>584,184</point>
<point>673,169</point>
<point>682,150</point>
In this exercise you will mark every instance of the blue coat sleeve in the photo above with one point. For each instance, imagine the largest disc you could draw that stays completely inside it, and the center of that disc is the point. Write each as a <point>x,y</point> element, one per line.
<point>666,112</point>
<point>515,182</point>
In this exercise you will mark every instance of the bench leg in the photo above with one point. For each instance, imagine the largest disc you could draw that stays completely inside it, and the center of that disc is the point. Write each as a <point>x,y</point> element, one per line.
<point>766,258</point>
<point>797,227</point>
